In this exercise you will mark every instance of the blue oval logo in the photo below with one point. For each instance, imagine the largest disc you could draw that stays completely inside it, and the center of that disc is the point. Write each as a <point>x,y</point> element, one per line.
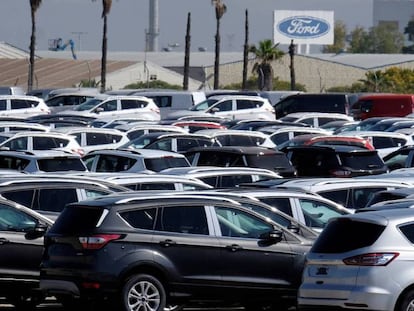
<point>303,27</point>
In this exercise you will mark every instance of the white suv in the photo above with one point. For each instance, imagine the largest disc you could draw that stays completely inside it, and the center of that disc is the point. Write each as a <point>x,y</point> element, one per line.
<point>22,106</point>
<point>230,106</point>
<point>106,106</point>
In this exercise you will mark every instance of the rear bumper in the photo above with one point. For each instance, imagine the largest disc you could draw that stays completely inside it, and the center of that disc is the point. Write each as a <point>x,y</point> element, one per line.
<point>59,287</point>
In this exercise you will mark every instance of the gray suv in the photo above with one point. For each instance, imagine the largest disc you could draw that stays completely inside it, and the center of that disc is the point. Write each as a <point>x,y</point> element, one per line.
<point>362,261</point>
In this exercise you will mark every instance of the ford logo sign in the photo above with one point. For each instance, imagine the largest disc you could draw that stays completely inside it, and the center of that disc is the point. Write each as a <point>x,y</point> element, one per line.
<point>303,27</point>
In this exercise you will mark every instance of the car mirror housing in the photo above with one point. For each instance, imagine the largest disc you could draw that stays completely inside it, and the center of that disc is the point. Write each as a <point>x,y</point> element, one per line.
<point>36,232</point>
<point>273,236</point>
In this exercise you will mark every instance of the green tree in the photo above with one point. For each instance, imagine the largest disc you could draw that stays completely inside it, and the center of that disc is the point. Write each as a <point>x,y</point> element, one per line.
<point>358,38</point>
<point>384,38</point>
<point>106,7</point>
<point>34,5</point>
<point>339,44</point>
<point>220,9</point>
<point>265,54</point>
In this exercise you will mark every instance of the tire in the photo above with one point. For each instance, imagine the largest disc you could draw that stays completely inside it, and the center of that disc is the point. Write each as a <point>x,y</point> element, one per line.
<point>407,302</point>
<point>144,293</point>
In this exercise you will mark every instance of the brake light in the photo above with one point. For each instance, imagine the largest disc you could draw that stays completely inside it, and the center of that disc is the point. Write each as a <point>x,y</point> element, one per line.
<point>371,259</point>
<point>97,241</point>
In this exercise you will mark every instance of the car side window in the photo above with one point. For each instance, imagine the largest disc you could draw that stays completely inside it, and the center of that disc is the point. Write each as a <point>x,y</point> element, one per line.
<point>408,231</point>
<point>247,104</point>
<point>17,144</point>
<point>223,106</point>
<point>316,213</point>
<point>236,223</point>
<point>3,104</point>
<point>132,104</point>
<point>141,219</point>
<point>23,197</point>
<point>184,219</point>
<point>282,204</point>
<point>338,196</point>
<point>109,105</point>
<point>22,104</point>
<point>54,200</point>
<point>12,219</point>
<point>44,143</point>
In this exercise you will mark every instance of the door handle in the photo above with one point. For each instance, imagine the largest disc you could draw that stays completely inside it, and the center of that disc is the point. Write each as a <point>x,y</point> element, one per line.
<point>167,243</point>
<point>3,241</point>
<point>234,247</point>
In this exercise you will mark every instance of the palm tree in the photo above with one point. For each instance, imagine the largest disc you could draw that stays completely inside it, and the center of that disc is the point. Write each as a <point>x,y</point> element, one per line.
<point>34,5</point>
<point>220,8</point>
<point>265,53</point>
<point>106,7</point>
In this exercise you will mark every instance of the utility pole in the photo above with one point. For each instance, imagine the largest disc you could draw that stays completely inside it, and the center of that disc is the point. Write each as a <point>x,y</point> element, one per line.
<point>292,66</point>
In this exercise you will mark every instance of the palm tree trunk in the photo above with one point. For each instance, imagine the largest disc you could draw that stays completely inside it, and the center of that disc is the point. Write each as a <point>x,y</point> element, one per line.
<point>32,52</point>
<point>245,51</point>
<point>187,53</point>
<point>217,56</point>
<point>104,51</point>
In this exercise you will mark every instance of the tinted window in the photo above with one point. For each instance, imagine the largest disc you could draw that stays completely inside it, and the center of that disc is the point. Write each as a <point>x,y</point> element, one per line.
<point>60,164</point>
<point>239,140</point>
<point>247,104</point>
<point>141,219</point>
<point>77,220</point>
<point>54,200</point>
<point>397,160</point>
<point>159,164</point>
<point>108,163</point>
<point>109,105</point>
<point>44,143</point>
<point>282,204</point>
<point>17,144</point>
<point>162,101</point>
<point>23,197</point>
<point>101,138</point>
<point>3,104</point>
<point>366,160</point>
<point>156,186</point>
<point>184,220</point>
<point>13,163</point>
<point>338,196</point>
<point>343,235</point>
<point>133,104</point>
<point>408,231</point>
<point>22,104</point>
<point>232,181</point>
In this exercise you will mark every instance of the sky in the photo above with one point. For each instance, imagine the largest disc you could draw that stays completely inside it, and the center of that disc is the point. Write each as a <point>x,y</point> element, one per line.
<point>128,20</point>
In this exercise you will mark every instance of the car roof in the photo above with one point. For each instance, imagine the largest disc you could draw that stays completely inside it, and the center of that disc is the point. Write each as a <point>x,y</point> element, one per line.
<point>249,150</point>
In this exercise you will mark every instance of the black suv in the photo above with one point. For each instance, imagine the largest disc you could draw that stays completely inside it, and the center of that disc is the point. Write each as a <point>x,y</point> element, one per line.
<point>335,161</point>
<point>249,156</point>
<point>186,248</point>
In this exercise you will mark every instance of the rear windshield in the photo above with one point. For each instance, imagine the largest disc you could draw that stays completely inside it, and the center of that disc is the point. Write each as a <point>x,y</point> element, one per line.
<point>270,161</point>
<point>159,164</point>
<point>78,219</point>
<point>365,160</point>
<point>61,164</point>
<point>343,235</point>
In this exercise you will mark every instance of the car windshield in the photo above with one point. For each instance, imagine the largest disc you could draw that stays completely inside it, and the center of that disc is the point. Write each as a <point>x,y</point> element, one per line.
<point>88,105</point>
<point>204,105</point>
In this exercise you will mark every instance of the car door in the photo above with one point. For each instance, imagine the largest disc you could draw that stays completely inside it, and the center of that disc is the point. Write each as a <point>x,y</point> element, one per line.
<point>224,109</point>
<point>182,240</point>
<point>247,262</point>
<point>19,256</point>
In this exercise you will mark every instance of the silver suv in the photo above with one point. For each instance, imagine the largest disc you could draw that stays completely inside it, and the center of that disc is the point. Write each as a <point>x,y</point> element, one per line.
<point>362,261</point>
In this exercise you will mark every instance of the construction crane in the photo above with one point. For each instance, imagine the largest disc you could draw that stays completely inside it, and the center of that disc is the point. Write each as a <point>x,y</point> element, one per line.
<point>58,45</point>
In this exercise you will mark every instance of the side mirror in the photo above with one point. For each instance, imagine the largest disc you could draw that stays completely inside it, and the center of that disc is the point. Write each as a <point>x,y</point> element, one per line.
<point>215,109</point>
<point>272,237</point>
<point>99,109</point>
<point>38,231</point>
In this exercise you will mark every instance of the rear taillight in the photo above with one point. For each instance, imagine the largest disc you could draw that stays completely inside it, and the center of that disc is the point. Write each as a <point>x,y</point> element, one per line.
<point>97,241</point>
<point>371,259</point>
